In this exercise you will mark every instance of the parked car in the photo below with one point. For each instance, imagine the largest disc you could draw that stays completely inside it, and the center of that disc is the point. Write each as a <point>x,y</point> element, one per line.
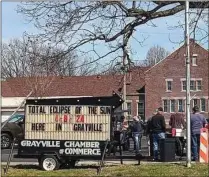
<point>12,129</point>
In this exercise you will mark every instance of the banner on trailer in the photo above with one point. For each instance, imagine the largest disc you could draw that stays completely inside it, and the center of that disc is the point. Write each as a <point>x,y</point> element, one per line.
<point>67,122</point>
<point>83,148</point>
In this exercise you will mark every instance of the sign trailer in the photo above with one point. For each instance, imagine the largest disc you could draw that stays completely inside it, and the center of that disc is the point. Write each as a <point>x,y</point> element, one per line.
<point>63,131</point>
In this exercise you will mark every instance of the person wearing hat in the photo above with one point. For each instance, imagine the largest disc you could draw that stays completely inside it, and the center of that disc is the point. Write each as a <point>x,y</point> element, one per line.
<point>136,133</point>
<point>198,121</point>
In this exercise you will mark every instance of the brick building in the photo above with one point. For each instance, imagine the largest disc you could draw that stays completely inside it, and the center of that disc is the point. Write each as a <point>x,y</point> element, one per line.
<point>166,81</point>
<point>147,88</point>
<point>14,90</point>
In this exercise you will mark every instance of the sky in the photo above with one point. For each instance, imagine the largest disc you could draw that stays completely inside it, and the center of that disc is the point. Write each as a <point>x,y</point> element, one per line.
<point>14,25</point>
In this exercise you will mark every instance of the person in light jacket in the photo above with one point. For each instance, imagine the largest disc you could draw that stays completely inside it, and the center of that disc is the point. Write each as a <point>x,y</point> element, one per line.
<point>136,133</point>
<point>198,121</point>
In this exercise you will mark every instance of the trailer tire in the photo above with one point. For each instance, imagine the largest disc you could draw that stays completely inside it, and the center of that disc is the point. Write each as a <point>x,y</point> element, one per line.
<point>6,140</point>
<point>49,163</point>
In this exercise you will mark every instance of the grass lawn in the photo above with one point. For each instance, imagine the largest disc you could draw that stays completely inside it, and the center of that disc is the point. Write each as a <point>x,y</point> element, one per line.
<point>117,170</point>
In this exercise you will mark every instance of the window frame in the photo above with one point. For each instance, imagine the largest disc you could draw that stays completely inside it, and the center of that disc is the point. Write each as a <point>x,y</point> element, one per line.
<point>193,102</point>
<point>168,81</point>
<point>194,58</point>
<point>172,111</point>
<point>182,85</point>
<point>201,104</point>
<point>199,85</point>
<point>183,105</point>
<point>129,102</point>
<point>168,87</point>
<point>194,63</point>
<point>167,105</point>
<point>143,102</point>
<point>194,86</point>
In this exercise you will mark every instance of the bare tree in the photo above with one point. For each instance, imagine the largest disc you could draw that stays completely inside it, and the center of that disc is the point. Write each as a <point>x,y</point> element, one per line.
<point>23,58</point>
<point>86,69</point>
<point>39,64</point>
<point>155,54</point>
<point>198,22</point>
<point>75,24</point>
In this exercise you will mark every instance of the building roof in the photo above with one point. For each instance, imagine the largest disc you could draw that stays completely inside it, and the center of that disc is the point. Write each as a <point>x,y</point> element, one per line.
<point>194,47</point>
<point>96,85</point>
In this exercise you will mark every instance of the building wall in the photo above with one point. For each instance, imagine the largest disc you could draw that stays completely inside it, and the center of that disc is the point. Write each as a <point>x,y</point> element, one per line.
<point>133,105</point>
<point>173,68</point>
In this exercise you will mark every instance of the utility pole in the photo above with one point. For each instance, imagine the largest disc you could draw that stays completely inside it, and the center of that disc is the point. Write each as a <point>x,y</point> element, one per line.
<point>187,39</point>
<point>124,78</point>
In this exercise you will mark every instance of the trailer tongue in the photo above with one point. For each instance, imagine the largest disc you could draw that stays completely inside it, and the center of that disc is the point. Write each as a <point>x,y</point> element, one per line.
<point>62,131</point>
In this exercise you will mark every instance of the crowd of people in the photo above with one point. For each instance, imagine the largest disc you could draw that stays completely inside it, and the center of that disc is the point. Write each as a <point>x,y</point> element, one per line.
<point>155,129</point>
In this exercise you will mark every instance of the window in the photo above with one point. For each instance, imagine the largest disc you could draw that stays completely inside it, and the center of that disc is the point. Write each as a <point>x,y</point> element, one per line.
<point>166,105</point>
<point>192,85</point>
<point>195,84</point>
<point>194,61</point>
<point>184,85</point>
<point>202,105</point>
<point>129,108</point>
<point>195,102</point>
<point>141,109</point>
<point>172,106</point>
<point>199,85</point>
<point>181,105</point>
<point>168,85</point>
<point>17,118</point>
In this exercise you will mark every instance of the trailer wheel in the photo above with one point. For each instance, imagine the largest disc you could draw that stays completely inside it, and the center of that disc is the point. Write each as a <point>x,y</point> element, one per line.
<point>49,163</point>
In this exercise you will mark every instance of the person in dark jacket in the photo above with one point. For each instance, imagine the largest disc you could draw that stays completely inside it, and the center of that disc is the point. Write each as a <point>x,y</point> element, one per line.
<point>198,121</point>
<point>136,133</point>
<point>149,133</point>
<point>157,125</point>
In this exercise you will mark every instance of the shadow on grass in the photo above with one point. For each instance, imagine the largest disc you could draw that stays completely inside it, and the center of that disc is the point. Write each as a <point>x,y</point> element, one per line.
<point>26,167</point>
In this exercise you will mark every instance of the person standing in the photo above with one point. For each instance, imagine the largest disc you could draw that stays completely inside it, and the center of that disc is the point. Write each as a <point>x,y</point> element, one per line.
<point>198,121</point>
<point>136,133</point>
<point>157,125</point>
<point>177,120</point>
<point>124,126</point>
<point>149,133</point>
<point>178,124</point>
